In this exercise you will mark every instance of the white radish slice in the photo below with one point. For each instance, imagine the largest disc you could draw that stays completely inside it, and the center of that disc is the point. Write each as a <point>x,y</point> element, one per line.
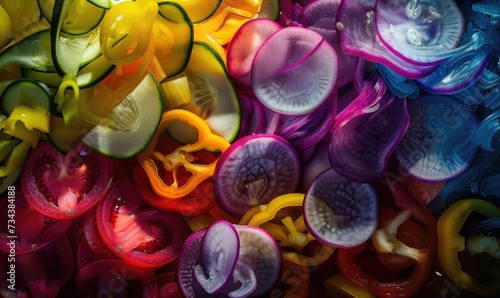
<point>294,71</point>
<point>262,253</point>
<point>419,31</point>
<point>243,47</point>
<point>244,281</point>
<point>340,212</point>
<point>219,253</point>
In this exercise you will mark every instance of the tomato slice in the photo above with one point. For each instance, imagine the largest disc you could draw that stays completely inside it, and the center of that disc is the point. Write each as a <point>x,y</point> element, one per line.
<point>45,271</point>
<point>143,237</point>
<point>116,278</point>
<point>65,186</point>
<point>33,230</point>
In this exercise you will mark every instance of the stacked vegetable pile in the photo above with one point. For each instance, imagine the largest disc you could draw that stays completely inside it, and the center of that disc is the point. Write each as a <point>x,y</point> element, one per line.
<point>249,148</point>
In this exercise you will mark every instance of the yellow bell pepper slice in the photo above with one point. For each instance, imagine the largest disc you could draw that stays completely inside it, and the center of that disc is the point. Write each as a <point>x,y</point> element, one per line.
<point>5,27</point>
<point>451,243</point>
<point>15,160</point>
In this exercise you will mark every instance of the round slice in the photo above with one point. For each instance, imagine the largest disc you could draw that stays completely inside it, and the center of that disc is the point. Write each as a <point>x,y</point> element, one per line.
<point>253,171</point>
<point>133,123</point>
<point>438,143</point>
<point>420,32</point>
<point>340,212</point>
<point>219,253</point>
<point>294,71</point>
<point>262,253</point>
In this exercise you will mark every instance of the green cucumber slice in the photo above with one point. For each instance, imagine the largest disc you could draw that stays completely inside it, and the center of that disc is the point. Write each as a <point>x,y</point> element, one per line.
<point>173,51</point>
<point>26,92</point>
<point>199,10</point>
<point>66,50</point>
<point>82,18</point>
<point>214,95</point>
<point>88,76</point>
<point>270,9</point>
<point>33,52</point>
<point>133,123</point>
<point>107,4</point>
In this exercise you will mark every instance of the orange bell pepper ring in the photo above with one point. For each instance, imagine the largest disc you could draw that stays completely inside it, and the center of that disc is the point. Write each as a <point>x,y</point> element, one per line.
<point>181,157</point>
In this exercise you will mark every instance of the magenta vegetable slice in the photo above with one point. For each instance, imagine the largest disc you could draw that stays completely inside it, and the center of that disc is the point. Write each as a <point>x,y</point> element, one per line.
<point>263,254</point>
<point>187,260</point>
<point>420,32</point>
<point>358,36</point>
<point>320,16</point>
<point>360,146</point>
<point>340,212</point>
<point>254,170</point>
<point>243,47</point>
<point>438,143</point>
<point>219,253</point>
<point>294,71</point>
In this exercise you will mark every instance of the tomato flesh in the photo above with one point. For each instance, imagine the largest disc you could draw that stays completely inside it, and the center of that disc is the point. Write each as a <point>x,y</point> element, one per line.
<point>64,186</point>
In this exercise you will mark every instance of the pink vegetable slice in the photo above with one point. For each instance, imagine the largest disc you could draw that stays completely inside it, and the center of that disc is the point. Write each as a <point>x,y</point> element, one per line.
<point>320,16</point>
<point>361,145</point>
<point>187,260</point>
<point>358,36</point>
<point>243,47</point>
<point>262,253</point>
<point>340,212</point>
<point>422,32</point>
<point>219,253</point>
<point>294,71</point>
<point>254,170</point>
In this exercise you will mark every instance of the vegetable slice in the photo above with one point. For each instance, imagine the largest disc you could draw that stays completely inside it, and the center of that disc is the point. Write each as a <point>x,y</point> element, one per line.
<point>214,97</point>
<point>132,122</point>
<point>438,143</point>
<point>262,253</point>
<point>340,212</point>
<point>298,79</point>
<point>419,31</point>
<point>254,170</point>
<point>219,253</point>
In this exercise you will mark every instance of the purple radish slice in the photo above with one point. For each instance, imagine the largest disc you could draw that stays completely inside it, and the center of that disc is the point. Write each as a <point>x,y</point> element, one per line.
<point>253,114</point>
<point>189,257</point>
<point>438,143</point>
<point>254,170</point>
<point>456,73</point>
<point>294,71</point>
<point>244,281</point>
<point>320,16</point>
<point>361,145</point>
<point>340,212</point>
<point>243,46</point>
<point>219,253</point>
<point>422,32</point>
<point>263,254</point>
<point>358,37</point>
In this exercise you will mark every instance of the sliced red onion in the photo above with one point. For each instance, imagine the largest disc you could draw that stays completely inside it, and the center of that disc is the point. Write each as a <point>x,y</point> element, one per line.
<point>243,47</point>
<point>361,145</point>
<point>253,114</point>
<point>219,253</point>
<point>187,260</point>
<point>340,212</point>
<point>294,71</point>
<point>320,16</point>
<point>422,32</point>
<point>254,170</point>
<point>358,36</point>
<point>263,254</point>
<point>318,163</point>
<point>244,281</point>
<point>438,143</point>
